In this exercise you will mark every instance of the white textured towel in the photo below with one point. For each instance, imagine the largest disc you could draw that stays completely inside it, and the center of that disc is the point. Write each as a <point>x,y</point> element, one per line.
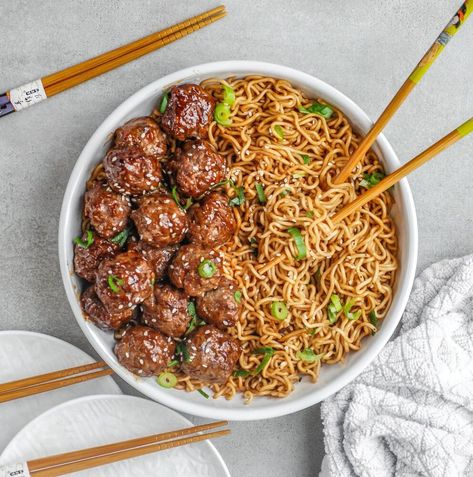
<point>411,412</point>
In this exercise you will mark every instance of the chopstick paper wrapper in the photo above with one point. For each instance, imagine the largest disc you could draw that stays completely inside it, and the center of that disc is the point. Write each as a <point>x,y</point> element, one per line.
<point>14,470</point>
<point>22,97</point>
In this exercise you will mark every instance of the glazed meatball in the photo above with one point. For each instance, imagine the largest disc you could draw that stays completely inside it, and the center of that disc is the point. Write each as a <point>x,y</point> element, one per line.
<point>129,171</point>
<point>106,210</point>
<point>144,351</point>
<point>196,167</point>
<point>160,221</point>
<point>87,260</point>
<point>158,258</point>
<point>143,133</point>
<point>166,311</point>
<point>212,222</point>
<point>218,307</point>
<point>124,281</point>
<point>95,311</point>
<point>213,355</point>
<point>195,269</point>
<point>189,112</point>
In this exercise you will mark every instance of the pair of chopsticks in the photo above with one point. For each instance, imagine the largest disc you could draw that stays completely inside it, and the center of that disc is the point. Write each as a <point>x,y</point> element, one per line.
<point>40,89</point>
<point>414,78</point>
<point>51,381</point>
<point>76,461</point>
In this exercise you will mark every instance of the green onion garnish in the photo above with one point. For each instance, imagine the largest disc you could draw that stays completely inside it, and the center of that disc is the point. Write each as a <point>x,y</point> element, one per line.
<point>373,319</point>
<point>222,114</point>
<point>164,103</point>
<point>279,131</point>
<point>308,356</point>
<point>346,310</point>
<point>181,350</point>
<point>268,352</point>
<point>207,268</point>
<point>323,110</point>
<point>306,159</point>
<point>310,214</point>
<point>195,320</point>
<point>167,380</point>
<point>241,373</point>
<point>279,310</point>
<point>285,192</point>
<point>261,195</point>
<point>173,363</point>
<point>201,391</point>
<point>264,350</point>
<point>237,296</point>
<point>318,275</point>
<point>177,199</point>
<point>335,299</point>
<point>334,307</point>
<point>298,175</point>
<point>87,243</point>
<point>239,199</point>
<point>300,244</point>
<point>122,237</point>
<point>370,180</point>
<point>228,95</point>
<point>114,283</point>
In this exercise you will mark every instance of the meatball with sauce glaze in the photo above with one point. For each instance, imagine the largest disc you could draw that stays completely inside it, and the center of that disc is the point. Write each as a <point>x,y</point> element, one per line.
<point>166,311</point>
<point>212,222</point>
<point>196,168</point>
<point>87,260</point>
<point>124,281</point>
<point>158,258</point>
<point>94,310</point>
<point>144,351</point>
<point>189,112</point>
<point>160,221</point>
<point>143,133</point>
<point>107,211</point>
<point>213,355</point>
<point>189,272</point>
<point>219,307</point>
<point>130,171</point>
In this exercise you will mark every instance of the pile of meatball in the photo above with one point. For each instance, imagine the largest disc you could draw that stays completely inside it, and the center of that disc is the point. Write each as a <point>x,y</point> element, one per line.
<point>141,287</point>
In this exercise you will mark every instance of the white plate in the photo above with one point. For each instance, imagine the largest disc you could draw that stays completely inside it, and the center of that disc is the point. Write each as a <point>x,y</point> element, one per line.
<point>24,354</point>
<point>332,378</point>
<point>97,420</point>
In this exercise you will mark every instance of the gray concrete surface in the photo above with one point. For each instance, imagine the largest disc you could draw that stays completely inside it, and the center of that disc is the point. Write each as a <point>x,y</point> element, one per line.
<point>363,47</point>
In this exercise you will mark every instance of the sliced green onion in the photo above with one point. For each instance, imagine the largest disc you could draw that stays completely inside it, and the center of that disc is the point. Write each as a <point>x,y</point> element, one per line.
<point>318,275</point>
<point>207,268</point>
<point>279,131</point>
<point>306,159</point>
<point>279,310</point>
<point>173,363</point>
<point>87,243</point>
<point>216,186</point>
<point>323,110</point>
<point>241,373</point>
<point>298,175</point>
<point>122,237</point>
<point>264,362</point>
<point>239,199</point>
<point>264,350</point>
<point>373,320</point>
<point>261,195</point>
<point>181,350</point>
<point>353,316</point>
<point>308,356</point>
<point>114,283</point>
<point>370,180</point>
<point>203,393</point>
<point>164,103</point>
<point>285,192</point>
<point>310,214</point>
<point>167,380</point>
<point>335,299</point>
<point>195,320</point>
<point>237,296</point>
<point>332,313</point>
<point>177,199</point>
<point>300,244</point>
<point>346,310</point>
<point>228,95</point>
<point>222,114</point>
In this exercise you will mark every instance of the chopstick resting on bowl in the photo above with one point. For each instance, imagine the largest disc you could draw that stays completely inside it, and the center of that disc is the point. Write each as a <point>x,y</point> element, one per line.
<point>31,93</point>
<point>75,461</point>
<point>417,74</point>
<point>51,381</point>
<point>403,171</point>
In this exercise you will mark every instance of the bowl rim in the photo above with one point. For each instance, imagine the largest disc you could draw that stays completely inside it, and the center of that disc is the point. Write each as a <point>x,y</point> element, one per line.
<point>275,407</point>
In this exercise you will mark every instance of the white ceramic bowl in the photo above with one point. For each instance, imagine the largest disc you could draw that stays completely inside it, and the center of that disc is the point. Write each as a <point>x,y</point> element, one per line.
<point>332,378</point>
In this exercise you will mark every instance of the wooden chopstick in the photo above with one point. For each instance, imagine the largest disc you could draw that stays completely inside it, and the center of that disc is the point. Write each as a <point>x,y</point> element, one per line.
<point>403,171</point>
<point>103,459</point>
<point>68,457</point>
<point>417,74</point>
<point>135,45</point>
<point>133,55</point>
<point>38,90</point>
<point>51,381</point>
